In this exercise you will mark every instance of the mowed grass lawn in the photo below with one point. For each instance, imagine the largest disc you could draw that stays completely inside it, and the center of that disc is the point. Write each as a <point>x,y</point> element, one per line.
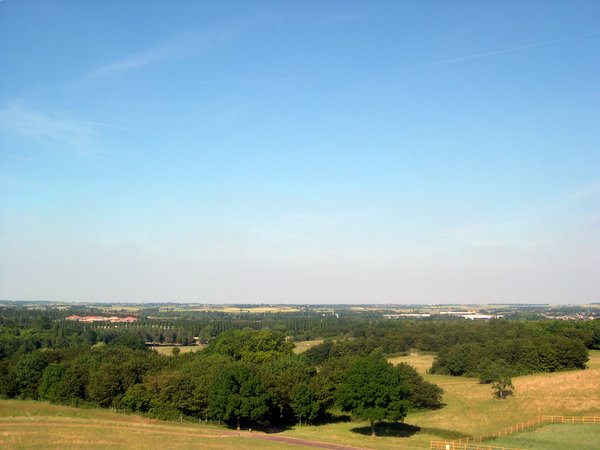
<point>554,437</point>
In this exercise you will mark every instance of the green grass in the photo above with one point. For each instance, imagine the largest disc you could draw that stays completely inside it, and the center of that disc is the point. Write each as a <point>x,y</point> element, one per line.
<point>554,437</point>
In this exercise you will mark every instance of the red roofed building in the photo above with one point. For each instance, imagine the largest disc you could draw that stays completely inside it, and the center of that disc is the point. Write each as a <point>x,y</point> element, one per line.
<point>93,319</point>
<point>113,319</point>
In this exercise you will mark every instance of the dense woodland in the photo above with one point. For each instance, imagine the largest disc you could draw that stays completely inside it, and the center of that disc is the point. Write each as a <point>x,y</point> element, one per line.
<point>248,374</point>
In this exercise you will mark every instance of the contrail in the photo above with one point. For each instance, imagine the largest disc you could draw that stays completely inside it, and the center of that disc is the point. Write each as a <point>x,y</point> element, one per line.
<point>506,50</point>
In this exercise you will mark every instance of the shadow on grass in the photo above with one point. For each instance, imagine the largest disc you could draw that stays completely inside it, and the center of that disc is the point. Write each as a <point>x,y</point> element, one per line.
<point>335,418</point>
<point>502,395</point>
<point>280,427</point>
<point>400,429</point>
<point>386,429</point>
<point>444,433</point>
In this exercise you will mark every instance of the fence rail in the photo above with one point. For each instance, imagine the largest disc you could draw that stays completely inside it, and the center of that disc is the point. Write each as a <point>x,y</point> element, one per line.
<point>446,445</point>
<point>570,419</point>
<point>474,443</point>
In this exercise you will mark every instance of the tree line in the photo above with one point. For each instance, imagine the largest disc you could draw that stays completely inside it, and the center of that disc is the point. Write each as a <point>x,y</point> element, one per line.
<point>250,375</point>
<point>243,377</point>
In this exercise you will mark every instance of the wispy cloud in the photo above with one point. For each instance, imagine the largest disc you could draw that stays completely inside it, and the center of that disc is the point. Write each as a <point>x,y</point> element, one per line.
<point>16,118</point>
<point>183,46</point>
<point>586,193</point>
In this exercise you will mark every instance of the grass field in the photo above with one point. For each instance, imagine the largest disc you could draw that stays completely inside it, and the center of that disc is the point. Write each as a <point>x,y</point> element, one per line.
<point>122,308</point>
<point>302,346</point>
<point>168,349</point>
<point>554,437</point>
<point>420,361</point>
<point>470,411</point>
<point>234,309</point>
<point>39,425</point>
<point>259,309</point>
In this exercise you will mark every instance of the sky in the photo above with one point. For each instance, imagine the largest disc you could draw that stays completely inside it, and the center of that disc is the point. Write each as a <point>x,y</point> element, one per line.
<point>300,151</point>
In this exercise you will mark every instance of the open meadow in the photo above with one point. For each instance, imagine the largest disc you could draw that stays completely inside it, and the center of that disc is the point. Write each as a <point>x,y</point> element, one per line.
<point>470,411</point>
<point>39,425</point>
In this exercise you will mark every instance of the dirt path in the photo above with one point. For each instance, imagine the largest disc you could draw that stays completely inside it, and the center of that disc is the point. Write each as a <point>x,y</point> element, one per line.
<point>304,442</point>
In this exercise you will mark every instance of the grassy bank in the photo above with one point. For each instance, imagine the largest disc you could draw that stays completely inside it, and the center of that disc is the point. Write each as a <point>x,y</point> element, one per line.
<point>39,425</point>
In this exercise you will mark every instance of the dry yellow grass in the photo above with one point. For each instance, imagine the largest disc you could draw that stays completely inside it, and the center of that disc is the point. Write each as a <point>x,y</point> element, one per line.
<point>302,346</point>
<point>471,410</point>
<point>122,308</point>
<point>420,361</point>
<point>168,349</point>
<point>38,425</point>
<point>230,309</point>
<point>237,309</point>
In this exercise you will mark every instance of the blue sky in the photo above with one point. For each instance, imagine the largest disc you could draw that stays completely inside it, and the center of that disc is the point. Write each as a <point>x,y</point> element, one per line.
<point>300,152</point>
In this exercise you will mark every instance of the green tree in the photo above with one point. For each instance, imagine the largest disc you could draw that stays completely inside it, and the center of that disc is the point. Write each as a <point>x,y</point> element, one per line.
<point>422,394</point>
<point>371,389</point>
<point>138,398</point>
<point>488,370</point>
<point>203,370</point>
<point>29,370</point>
<point>328,378</point>
<point>280,377</point>
<point>502,383</point>
<point>104,385</point>
<point>251,346</point>
<point>176,389</point>
<point>304,403</point>
<point>318,354</point>
<point>460,359</point>
<point>8,382</point>
<point>238,393</point>
<point>50,386</point>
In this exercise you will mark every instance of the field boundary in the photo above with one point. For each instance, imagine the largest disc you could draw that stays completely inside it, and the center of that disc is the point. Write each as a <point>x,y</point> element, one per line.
<point>451,445</point>
<point>474,443</point>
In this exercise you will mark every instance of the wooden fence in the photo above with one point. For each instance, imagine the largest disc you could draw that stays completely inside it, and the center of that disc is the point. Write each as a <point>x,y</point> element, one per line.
<point>570,419</point>
<point>453,445</point>
<point>474,443</point>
